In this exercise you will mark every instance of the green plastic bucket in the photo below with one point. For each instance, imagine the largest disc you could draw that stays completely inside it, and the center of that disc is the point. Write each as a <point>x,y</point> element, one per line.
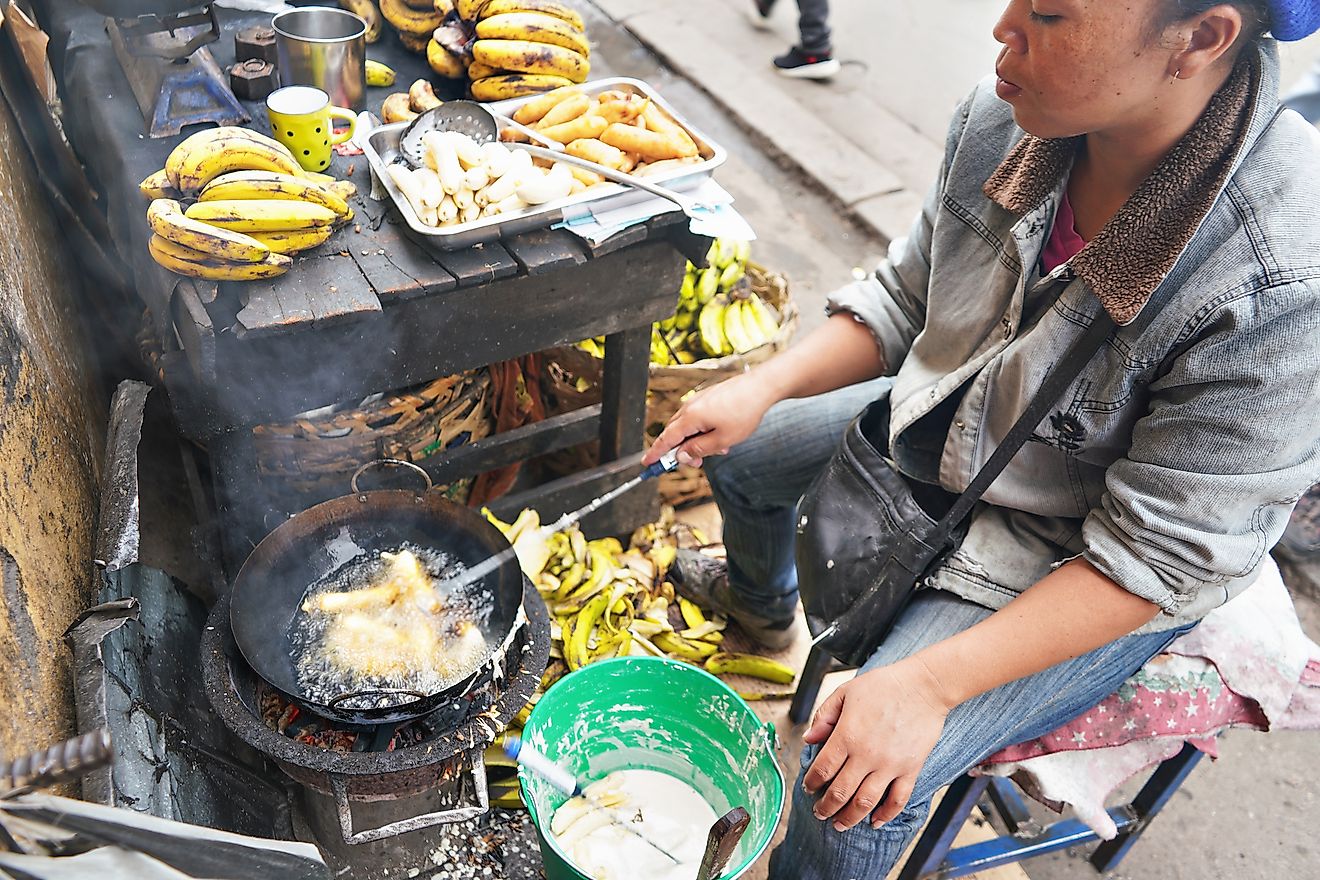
<point>649,713</point>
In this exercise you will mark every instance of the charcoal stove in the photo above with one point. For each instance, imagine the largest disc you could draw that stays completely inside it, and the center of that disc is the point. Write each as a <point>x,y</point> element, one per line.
<point>161,46</point>
<point>443,765</point>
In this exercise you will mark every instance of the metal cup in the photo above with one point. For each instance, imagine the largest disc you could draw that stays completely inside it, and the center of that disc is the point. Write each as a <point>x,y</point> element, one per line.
<point>326,48</point>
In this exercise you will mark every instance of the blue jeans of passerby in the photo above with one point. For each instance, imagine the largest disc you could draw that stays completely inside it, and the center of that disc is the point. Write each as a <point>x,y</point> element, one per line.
<point>813,25</point>
<point>757,487</point>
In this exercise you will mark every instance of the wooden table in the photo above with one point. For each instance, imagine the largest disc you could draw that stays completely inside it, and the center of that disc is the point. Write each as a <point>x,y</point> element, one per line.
<point>373,310</point>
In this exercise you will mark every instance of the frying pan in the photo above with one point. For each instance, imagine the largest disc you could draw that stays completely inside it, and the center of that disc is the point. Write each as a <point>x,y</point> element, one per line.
<point>268,592</point>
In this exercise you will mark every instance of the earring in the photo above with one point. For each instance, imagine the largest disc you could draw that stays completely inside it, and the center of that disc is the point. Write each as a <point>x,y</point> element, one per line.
<point>1177,74</point>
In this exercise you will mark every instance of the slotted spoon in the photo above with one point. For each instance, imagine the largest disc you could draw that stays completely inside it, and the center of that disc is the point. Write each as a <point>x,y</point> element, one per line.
<point>480,124</point>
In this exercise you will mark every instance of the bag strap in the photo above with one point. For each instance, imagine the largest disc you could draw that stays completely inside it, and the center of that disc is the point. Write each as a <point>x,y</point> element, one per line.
<point>1068,369</point>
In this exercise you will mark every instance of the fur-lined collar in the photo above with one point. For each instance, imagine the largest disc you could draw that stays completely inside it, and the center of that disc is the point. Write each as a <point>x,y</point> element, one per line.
<point>1129,258</point>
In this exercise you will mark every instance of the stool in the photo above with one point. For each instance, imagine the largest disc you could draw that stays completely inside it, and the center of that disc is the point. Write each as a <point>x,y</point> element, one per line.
<point>933,855</point>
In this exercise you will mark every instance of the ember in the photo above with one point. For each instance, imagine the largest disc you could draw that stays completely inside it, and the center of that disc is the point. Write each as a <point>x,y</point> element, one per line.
<point>310,729</point>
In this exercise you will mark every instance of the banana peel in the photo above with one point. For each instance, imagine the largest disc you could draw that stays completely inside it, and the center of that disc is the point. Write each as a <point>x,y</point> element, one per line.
<point>749,664</point>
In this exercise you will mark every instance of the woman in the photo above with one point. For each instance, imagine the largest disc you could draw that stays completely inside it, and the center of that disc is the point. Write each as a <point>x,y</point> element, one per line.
<point>1128,156</point>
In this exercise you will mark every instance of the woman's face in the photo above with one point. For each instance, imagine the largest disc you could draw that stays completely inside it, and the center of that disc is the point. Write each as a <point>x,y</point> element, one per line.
<point>1072,67</point>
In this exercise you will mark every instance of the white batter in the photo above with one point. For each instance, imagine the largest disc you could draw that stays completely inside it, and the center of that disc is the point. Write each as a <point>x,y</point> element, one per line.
<point>667,810</point>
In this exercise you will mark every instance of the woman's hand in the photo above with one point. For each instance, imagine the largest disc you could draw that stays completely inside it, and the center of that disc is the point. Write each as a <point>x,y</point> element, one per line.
<point>714,420</point>
<point>878,730</point>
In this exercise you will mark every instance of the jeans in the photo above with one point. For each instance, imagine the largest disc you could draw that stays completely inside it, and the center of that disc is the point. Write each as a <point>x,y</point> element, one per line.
<point>757,486</point>
<point>813,25</point>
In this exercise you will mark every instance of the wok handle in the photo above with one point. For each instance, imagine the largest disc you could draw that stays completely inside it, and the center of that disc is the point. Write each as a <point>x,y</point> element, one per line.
<point>416,823</point>
<point>388,463</point>
<point>334,702</point>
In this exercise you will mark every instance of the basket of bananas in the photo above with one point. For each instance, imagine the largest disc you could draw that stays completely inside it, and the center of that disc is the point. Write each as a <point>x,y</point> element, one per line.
<point>731,315</point>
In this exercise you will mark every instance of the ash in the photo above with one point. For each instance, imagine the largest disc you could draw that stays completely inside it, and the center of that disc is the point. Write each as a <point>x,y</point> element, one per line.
<point>500,845</point>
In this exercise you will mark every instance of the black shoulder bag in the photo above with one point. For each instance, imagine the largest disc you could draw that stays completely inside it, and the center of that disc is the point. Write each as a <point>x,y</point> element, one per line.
<point>864,538</point>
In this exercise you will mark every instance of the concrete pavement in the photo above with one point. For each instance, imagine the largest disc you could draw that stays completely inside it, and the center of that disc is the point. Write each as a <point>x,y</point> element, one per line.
<point>871,138</point>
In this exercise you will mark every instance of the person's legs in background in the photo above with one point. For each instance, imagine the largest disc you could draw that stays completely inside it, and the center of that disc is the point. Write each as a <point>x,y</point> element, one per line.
<point>813,56</point>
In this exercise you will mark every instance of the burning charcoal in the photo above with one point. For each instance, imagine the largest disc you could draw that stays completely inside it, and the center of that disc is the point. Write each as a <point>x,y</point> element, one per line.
<point>287,717</point>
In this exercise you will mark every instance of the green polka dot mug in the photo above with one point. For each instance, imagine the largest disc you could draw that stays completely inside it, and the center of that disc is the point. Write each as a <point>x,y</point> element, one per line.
<point>300,119</point>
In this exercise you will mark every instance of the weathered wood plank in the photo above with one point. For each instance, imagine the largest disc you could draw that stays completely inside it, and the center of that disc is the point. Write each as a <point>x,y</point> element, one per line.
<point>397,267</point>
<point>196,332</point>
<point>546,250</point>
<point>520,444</point>
<point>627,360</point>
<point>480,264</point>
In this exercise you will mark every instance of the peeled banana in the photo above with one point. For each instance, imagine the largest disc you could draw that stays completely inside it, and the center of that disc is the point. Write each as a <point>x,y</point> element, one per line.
<point>198,264</point>
<point>271,185</point>
<point>167,221</point>
<point>524,56</point>
<point>548,7</point>
<point>260,215</point>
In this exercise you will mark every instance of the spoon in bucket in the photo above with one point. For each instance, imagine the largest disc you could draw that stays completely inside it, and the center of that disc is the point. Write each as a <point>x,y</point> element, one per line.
<point>557,776</point>
<point>480,124</point>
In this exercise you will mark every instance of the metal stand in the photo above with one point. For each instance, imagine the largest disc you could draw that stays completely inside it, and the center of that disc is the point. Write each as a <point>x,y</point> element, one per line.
<point>933,855</point>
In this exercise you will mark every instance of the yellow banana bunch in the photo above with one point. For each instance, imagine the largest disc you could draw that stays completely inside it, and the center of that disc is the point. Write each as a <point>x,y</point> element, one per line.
<point>199,264</point>
<point>528,56</point>
<point>206,155</point>
<point>293,241</point>
<point>499,86</point>
<point>158,186</point>
<point>261,215</point>
<point>468,10</point>
<point>367,11</point>
<point>445,62</point>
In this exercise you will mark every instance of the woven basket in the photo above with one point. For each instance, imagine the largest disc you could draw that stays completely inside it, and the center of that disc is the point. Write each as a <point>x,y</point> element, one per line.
<point>573,377</point>
<point>316,453</point>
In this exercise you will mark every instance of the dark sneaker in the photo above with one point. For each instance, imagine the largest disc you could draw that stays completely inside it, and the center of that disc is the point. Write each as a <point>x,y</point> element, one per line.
<point>759,14</point>
<point>702,579</point>
<point>804,65</point>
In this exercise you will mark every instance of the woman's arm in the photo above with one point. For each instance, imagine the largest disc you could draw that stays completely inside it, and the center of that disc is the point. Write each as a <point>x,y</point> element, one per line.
<point>879,728</point>
<point>840,353</point>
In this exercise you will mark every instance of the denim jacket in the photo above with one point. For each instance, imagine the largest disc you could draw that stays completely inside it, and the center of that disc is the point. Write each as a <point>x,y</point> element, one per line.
<point>1173,462</point>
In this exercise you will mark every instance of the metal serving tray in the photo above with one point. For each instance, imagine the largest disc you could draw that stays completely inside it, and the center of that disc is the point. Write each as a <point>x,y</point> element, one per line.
<point>382,149</point>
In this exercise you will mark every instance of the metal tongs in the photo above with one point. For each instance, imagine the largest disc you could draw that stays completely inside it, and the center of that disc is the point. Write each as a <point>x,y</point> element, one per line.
<point>483,126</point>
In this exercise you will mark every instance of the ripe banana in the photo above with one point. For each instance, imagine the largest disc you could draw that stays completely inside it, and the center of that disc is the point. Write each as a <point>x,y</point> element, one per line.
<point>710,323</point>
<point>708,284</point>
<point>731,275</point>
<point>271,185</point>
<point>477,71</point>
<point>515,85</point>
<point>735,331</point>
<point>168,222</point>
<point>425,5</point>
<point>406,20</point>
<point>421,97</point>
<point>293,241</point>
<point>158,186</point>
<point>192,167</point>
<point>468,10</point>
<point>749,664</point>
<point>444,62</point>
<point>444,7</point>
<point>536,27</point>
<point>764,318</point>
<point>380,75</point>
<point>522,56</point>
<point>196,264</point>
<point>672,643</point>
<point>367,11</point>
<point>548,7</point>
<point>260,215</point>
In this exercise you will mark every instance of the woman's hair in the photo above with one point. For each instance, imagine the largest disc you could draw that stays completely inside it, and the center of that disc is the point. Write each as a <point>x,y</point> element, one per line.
<point>1255,15</point>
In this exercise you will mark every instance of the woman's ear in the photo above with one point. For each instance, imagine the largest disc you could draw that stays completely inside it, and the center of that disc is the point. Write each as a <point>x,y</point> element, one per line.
<point>1207,38</point>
